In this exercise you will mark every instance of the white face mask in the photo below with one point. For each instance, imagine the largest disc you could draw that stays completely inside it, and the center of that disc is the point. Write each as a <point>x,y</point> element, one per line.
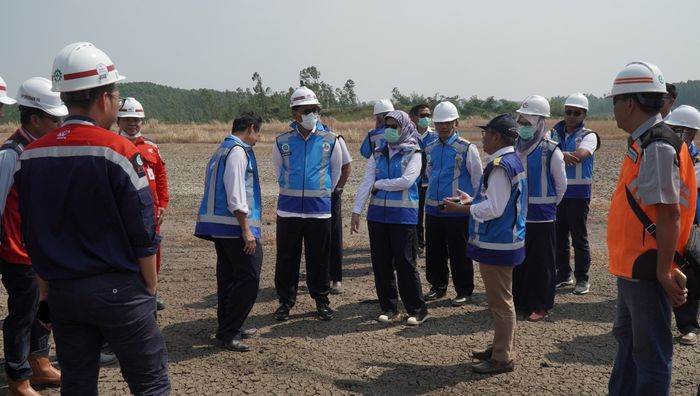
<point>308,121</point>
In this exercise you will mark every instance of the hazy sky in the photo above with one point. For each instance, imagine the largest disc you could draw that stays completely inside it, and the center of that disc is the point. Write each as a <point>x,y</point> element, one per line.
<point>505,48</point>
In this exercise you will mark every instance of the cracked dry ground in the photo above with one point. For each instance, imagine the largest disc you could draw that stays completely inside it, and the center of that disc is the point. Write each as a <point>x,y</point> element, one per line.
<point>569,354</point>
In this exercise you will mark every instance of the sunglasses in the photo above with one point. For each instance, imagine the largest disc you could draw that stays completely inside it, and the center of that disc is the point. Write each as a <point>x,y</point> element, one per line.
<point>575,113</point>
<point>309,111</point>
<point>54,119</point>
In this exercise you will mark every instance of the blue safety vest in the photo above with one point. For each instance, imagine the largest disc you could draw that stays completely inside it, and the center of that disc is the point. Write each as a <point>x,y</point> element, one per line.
<point>214,218</point>
<point>501,241</point>
<point>393,207</point>
<point>374,139</point>
<point>305,180</point>
<point>429,138</point>
<point>580,177</point>
<point>449,172</point>
<point>542,196</point>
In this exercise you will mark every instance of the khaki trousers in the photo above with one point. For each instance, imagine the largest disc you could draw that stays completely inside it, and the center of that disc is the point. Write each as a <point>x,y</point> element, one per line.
<point>498,282</point>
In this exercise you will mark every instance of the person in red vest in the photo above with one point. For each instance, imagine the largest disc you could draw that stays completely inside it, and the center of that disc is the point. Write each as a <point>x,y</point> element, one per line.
<point>130,121</point>
<point>25,335</point>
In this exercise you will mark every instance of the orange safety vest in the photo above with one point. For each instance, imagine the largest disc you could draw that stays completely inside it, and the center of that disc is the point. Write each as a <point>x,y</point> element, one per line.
<point>632,251</point>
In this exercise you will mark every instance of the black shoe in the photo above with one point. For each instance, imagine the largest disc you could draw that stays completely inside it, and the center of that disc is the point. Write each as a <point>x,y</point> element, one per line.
<point>107,359</point>
<point>249,333</point>
<point>159,304</point>
<point>282,312</point>
<point>484,354</point>
<point>493,367</point>
<point>434,295</point>
<point>324,312</point>
<point>235,345</point>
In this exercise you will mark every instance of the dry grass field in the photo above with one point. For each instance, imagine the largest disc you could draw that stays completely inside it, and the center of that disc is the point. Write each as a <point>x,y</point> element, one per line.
<point>571,353</point>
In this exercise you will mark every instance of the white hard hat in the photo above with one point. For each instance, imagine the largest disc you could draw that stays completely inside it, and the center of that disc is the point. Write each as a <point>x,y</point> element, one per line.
<point>131,108</point>
<point>4,99</point>
<point>383,106</point>
<point>80,66</point>
<point>684,116</point>
<point>639,77</point>
<point>445,112</point>
<point>303,96</point>
<point>36,92</point>
<point>577,100</point>
<point>535,105</point>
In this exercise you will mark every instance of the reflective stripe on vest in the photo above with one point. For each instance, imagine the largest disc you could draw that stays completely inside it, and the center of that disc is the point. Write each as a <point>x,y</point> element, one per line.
<point>214,219</point>
<point>449,173</point>
<point>542,196</point>
<point>501,241</point>
<point>305,180</point>
<point>632,251</point>
<point>579,177</point>
<point>393,207</point>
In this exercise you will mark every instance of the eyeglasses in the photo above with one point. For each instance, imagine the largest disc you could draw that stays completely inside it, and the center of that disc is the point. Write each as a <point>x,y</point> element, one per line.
<point>575,113</point>
<point>119,99</point>
<point>309,111</point>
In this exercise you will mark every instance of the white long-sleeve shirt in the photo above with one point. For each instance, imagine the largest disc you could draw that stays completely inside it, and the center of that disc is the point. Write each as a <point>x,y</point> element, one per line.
<point>369,181</point>
<point>497,194</point>
<point>234,180</point>
<point>336,165</point>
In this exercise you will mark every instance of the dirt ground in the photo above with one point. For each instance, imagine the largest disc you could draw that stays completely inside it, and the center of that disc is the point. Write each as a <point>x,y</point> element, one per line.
<point>569,354</point>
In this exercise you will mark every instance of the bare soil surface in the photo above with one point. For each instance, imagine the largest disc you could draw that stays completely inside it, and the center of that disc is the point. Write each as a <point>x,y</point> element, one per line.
<point>571,353</point>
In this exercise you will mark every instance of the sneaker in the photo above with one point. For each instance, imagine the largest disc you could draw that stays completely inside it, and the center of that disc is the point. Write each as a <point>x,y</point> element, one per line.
<point>336,288</point>
<point>282,313</point>
<point>388,317</point>
<point>689,339</point>
<point>582,287</point>
<point>461,300</point>
<point>415,320</point>
<point>564,283</point>
<point>324,312</point>
<point>421,252</point>
<point>434,295</point>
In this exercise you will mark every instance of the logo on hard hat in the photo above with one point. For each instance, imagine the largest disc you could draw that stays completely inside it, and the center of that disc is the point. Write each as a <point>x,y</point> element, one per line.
<point>661,79</point>
<point>101,71</point>
<point>525,104</point>
<point>57,75</point>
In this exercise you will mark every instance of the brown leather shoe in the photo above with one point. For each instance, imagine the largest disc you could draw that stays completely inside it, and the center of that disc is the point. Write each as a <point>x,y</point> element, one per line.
<point>483,354</point>
<point>493,367</point>
<point>43,372</point>
<point>20,388</point>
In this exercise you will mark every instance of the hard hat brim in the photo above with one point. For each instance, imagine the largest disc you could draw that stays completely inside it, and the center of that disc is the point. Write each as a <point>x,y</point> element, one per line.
<point>60,111</point>
<point>7,100</point>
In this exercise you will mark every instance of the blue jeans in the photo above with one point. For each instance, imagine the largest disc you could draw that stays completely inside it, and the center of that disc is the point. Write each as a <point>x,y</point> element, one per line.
<point>645,343</point>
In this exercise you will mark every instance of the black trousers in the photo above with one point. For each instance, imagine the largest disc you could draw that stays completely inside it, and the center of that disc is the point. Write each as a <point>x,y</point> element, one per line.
<point>687,317</point>
<point>336,269</point>
<point>22,333</point>
<point>572,215</point>
<point>113,307</point>
<point>237,283</point>
<point>392,247</point>
<point>421,210</point>
<point>533,280</point>
<point>315,234</point>
<point>446,237</point>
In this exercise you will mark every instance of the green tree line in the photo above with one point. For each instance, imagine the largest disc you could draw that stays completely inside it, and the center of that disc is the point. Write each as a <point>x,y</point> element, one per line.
<point>176,105</point>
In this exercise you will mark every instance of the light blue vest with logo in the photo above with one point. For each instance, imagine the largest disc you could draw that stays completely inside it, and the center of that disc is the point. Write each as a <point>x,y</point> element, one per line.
<point>542,196</point>
<point>580,177</point>
<point>501,241</point>
<point>448,164</point>
<point>305,180</point>
<point>393,207</point>
<point>374,139</point>
<point>214,219</point>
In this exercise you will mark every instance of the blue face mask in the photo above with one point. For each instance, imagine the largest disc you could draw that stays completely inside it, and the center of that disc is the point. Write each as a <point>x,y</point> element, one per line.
<point>424,122</point>
<point>391,135</point>
<point>526,132</point>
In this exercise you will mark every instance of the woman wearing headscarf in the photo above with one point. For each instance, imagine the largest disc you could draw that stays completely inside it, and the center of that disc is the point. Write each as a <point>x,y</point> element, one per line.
<point>534,280</point>
<point>390,183</point>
